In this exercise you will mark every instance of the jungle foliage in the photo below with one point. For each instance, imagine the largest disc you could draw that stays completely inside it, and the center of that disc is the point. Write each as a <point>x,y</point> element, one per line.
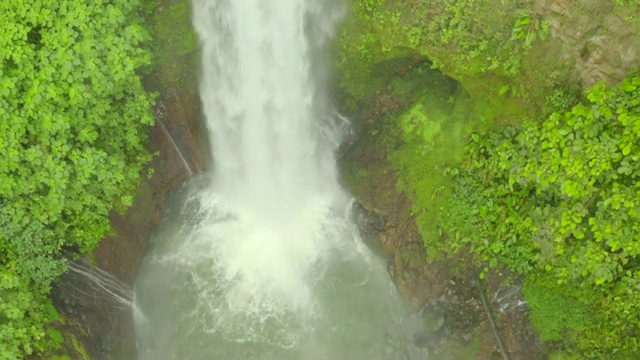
<point>464,40</point>
<point>559,202</point>
<point>554,200</point>
<point>73,119</point>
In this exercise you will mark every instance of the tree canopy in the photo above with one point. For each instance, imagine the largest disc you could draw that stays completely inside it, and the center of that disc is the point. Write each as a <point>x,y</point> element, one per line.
<point>73,118</point>
<point>559,202</point>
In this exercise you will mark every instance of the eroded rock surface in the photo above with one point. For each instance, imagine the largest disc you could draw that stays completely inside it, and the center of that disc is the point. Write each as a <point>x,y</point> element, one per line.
<point>601,39</point>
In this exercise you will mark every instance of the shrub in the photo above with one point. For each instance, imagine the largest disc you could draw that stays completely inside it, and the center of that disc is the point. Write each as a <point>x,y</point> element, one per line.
<point>73,118</point>
<point>561,198</point>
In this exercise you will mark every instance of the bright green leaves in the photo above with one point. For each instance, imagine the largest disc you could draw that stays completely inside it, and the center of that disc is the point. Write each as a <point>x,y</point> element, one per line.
<point>528,27</point>
<point>73,117</point>
<point>563,199</point>
<point>16,301</point>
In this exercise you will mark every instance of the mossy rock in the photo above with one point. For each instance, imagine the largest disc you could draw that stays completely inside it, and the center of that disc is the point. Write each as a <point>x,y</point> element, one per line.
<point>176,45</point>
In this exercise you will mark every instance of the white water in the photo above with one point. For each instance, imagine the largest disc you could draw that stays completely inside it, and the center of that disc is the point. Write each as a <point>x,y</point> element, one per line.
<point>262,262</point>
<point>101,283</point>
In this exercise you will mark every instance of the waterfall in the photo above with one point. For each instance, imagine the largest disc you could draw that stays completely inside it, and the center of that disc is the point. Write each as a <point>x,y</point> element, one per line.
<point>262,261</point>
<point>272,139</point>
<point>273,142</point>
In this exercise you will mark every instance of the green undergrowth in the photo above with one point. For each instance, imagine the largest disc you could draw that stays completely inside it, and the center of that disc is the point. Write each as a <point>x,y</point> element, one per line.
<point>74,117</point>
<point>557,203</point>
<point>515,167</point>
<point>176,46</point>
<point>497,50</point>
<point>631,10</point>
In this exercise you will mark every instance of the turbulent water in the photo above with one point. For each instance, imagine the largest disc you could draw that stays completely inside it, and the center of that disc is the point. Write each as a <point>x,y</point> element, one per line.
<point>259,260</point>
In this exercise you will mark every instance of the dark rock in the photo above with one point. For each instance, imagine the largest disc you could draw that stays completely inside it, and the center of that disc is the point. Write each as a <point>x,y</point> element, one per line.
<point>370,227</point>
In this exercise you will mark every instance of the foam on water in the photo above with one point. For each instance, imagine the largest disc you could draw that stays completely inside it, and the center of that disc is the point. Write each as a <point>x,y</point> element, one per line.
<point>264,253</point>
<point>275,179</point>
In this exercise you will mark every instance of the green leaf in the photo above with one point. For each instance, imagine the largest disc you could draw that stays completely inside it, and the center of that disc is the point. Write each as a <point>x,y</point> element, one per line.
<point>543,35</point>
<point>531,36</point>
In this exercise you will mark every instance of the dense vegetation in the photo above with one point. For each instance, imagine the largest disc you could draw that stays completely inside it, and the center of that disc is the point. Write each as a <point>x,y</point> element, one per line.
<point>549,195</point>
<point>491,48</point>
<point>558,202</point>
<point>73,118</point>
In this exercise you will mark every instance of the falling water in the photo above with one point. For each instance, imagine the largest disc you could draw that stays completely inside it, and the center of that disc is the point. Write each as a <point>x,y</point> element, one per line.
<point>262,262</point>
<point>101,283</point>
<point>85,281</point>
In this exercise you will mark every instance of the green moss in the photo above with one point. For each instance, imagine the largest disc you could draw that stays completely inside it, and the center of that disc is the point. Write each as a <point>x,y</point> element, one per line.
<point>458,350</point>
<point>413,259</point>
<point>60,357</point>
<point>173,29</point>
<point>423,125</point>
<point>561,355</point>
<point>176,43</point>
<point>65,344</point>
<point>424,141</point>
<point>469,40</point>
<point>353,176</point>
<point>557,311</point>
<point>80,350</point>
<point>56,339</point>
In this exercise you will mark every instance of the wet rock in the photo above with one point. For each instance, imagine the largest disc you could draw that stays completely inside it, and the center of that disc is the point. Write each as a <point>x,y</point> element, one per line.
<point>417,353</point>
<point>369,224</point>
<point>391,269</point>
<point>430,339</point>
<point>370,227</point>
<point>596,37</point>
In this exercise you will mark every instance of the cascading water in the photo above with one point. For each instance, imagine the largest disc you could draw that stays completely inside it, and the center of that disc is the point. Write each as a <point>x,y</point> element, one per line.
<point>262,261</point>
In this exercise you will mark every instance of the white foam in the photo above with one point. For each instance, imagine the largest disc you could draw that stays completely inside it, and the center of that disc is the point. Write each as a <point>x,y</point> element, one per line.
<point>268,224</point>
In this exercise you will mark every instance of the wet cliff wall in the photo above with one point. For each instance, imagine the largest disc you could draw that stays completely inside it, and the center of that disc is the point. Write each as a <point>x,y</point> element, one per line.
<point>418,78</point>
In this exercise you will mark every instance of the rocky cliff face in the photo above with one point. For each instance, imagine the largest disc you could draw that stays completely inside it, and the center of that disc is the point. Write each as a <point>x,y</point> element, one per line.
<point>600,38</point>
